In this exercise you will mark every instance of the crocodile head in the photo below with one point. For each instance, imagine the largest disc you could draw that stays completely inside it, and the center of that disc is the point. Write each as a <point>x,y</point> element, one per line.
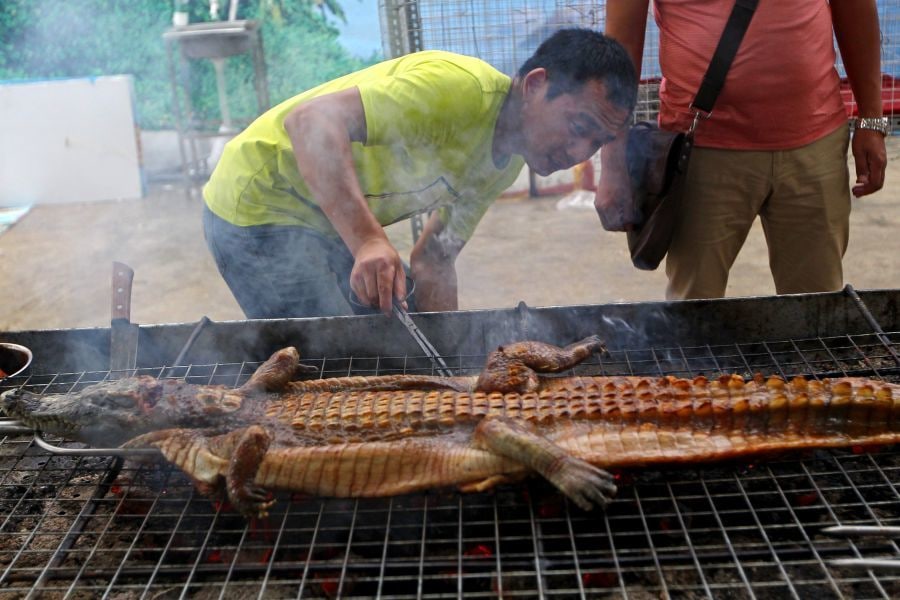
<point>112,412</point>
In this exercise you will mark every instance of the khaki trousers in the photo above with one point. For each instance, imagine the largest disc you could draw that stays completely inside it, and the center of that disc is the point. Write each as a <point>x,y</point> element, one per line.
<point>802,197</point>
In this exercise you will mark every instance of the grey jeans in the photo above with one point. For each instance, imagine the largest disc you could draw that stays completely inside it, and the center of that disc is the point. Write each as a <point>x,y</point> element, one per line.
<point>282,271</point>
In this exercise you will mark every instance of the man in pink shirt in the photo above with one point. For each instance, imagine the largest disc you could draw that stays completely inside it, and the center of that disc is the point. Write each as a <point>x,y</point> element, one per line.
<point>775,144</point>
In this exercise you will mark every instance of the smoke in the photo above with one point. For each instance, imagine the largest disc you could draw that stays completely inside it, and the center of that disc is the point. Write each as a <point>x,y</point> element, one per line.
<point>637,347</point>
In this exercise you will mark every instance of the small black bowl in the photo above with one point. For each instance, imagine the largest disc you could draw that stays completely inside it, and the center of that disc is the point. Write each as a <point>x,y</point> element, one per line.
<point>13,359</point>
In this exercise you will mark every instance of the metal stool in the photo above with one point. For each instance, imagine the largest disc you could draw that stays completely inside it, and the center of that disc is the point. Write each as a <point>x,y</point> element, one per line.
<point>216,42</point>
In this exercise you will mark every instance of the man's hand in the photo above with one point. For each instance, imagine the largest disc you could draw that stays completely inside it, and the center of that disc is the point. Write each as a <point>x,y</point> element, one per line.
<point>378,276</point>
<point>870,157</point>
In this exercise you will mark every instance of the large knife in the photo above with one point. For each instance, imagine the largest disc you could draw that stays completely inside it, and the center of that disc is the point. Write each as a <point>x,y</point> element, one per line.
<point>123,334</point>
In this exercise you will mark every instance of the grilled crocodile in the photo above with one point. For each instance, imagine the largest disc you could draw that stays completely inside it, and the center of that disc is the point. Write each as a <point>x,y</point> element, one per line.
<point>377,436</point>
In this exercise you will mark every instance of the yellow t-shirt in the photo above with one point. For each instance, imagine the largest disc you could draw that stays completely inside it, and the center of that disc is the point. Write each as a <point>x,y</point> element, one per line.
<point>430,120</point>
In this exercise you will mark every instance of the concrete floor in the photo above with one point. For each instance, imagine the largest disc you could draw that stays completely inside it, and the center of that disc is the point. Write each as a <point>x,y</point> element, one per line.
<point>56,262</point>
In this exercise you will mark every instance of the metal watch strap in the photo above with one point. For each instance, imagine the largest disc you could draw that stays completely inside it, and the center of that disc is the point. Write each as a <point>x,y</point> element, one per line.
<point>714,79</point>
<point>879,124</point>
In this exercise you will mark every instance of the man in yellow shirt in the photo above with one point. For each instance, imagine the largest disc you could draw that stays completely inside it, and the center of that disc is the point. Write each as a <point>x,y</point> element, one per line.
<point>296,206</point>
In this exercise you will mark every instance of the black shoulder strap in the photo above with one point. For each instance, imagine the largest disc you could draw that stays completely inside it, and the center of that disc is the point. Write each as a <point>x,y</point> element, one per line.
<point>724,55</point>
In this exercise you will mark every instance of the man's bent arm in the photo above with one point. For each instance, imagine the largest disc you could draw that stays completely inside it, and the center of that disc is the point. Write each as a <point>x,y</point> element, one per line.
<point>626,22</point>
<point>321,131</point>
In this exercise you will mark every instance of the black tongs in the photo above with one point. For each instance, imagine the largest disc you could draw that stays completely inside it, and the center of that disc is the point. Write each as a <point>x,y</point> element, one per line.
<point>439,365</point>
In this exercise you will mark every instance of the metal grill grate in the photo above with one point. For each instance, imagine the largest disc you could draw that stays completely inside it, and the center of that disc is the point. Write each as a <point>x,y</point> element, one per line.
<point>75,526</point>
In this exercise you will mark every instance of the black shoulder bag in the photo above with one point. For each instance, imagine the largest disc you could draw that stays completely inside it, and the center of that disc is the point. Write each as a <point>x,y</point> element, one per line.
<point>657,160</point>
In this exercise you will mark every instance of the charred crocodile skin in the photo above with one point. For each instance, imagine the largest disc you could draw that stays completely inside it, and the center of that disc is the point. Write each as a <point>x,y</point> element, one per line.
<point>388,435</point>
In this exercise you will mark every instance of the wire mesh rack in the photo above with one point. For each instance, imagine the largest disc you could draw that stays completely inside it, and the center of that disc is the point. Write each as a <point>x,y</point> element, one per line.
<point>102,526</point>
<point>506,32</point>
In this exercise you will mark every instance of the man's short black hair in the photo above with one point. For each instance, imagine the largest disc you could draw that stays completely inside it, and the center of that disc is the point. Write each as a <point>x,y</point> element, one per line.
<point>574,56</point>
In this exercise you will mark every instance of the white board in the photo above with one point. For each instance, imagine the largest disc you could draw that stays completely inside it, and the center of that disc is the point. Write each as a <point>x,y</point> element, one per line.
<point>68,140</point>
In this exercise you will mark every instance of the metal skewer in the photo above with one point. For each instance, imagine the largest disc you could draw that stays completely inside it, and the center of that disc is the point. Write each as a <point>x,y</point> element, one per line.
<point>864,530</point>
<point>850,531</point>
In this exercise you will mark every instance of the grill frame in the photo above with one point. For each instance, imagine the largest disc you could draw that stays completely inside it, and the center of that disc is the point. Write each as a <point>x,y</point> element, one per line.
<point>764,519</point>
<point>476,332</point>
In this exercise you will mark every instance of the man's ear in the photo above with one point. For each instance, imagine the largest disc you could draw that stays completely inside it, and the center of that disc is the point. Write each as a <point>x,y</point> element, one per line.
<point>534,82</point>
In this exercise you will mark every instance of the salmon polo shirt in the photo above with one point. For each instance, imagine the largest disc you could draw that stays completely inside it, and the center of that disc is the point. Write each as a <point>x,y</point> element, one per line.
<point>782,90</point>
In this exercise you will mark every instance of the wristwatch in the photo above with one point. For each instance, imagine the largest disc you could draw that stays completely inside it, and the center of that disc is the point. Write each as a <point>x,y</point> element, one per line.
<point>879,124</point>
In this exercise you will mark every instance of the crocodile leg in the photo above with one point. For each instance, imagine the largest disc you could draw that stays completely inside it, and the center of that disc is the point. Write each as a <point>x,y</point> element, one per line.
<point>515,368</point>
<point>187,449</point>
<point>274,374</point>
<point>585,484</point>
<point>547,358</point>
<point>250,447</point>
<point>235,456</point>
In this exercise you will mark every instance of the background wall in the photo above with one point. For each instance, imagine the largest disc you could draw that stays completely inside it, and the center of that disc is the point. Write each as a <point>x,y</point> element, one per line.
<point>70,140</point>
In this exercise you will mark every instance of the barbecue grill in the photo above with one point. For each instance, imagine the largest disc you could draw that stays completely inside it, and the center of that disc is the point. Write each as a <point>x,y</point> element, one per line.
<point>76,525</point>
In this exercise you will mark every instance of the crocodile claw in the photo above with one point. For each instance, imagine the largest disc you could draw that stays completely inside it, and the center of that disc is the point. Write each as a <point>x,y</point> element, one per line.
<point>584,484</point>
<point>596,344</point>
<point>251,501</point>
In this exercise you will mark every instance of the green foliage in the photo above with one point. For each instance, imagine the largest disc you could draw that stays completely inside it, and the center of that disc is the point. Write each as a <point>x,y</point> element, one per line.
<point>277,8</point>
<point>42,39</point>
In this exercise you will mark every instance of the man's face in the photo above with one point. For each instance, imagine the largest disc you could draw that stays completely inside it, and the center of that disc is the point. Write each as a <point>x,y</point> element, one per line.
<point>561,132</point>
